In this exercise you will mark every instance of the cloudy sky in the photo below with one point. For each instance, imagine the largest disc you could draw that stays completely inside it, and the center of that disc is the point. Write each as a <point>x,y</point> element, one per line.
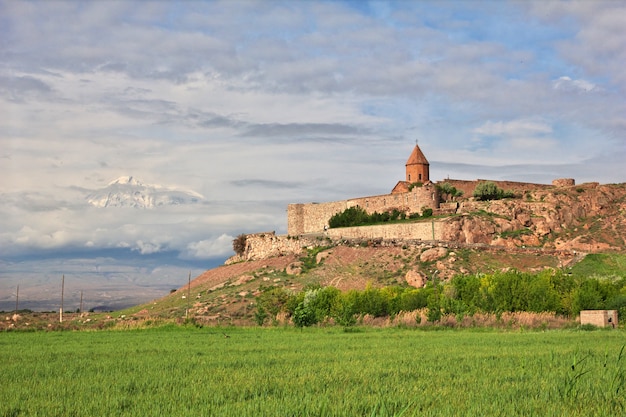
<point>256,104</point>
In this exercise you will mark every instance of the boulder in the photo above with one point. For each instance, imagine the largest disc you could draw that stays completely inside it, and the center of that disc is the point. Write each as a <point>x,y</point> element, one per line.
<point>294,268</point>
<point>321,256</point>
<point>433,254</point>
<point>415,279</point>
<point>242,280</point>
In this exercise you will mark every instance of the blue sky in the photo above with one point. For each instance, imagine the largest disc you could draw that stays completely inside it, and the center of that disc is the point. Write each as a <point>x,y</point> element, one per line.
<point>254,105</point>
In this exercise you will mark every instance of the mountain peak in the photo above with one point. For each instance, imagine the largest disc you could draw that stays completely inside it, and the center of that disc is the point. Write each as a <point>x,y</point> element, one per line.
<point>126,180</point>
<point>128,191</point>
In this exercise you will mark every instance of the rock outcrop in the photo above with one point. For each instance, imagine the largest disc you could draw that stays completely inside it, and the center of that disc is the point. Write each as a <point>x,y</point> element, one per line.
<point>588,217</point>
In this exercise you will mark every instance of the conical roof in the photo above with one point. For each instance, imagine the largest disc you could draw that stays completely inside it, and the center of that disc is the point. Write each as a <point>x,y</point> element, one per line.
<point>417,157</point>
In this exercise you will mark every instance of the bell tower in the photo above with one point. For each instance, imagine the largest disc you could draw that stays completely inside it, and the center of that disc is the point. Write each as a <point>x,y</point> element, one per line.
<point>417,167</point>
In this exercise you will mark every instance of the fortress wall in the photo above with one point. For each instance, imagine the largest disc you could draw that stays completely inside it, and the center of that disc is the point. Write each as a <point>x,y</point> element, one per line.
<point>468,186</point>
<point>312,217</point>
<point>413,231</point>
<point>564,182</point>
<point>266,245</point>
<point>410,202</point>
<point>295,219</point>
<point>316,216</point>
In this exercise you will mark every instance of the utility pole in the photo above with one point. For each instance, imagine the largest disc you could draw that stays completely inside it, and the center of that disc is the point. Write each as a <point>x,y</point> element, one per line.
<point>188,294</point>
<point>17,298</point>
<point>62,291</point>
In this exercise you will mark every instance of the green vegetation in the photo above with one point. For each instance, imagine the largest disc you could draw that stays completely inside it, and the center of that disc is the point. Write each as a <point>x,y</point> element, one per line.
<point>601,265</point>
<point>488,190</point>
<point>185,371</point>
<point>357,216</point>
<point>446,190</point>
<point>415,184</point>
<point>516,233</point>
<point>465,295</point>
<point>309,261</point>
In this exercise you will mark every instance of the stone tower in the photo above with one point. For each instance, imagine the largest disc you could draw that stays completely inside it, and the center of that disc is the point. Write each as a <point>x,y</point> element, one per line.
<point>417,167</point>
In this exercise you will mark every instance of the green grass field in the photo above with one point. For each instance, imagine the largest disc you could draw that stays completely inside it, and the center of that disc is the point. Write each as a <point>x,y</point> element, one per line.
<point>186,371</point>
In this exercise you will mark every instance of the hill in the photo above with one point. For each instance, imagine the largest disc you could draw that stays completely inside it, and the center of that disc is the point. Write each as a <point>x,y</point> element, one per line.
<point>539,229</point>
<point>545,229</point>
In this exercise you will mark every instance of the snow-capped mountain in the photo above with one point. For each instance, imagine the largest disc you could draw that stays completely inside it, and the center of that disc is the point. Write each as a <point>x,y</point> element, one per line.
<point>130,192</point>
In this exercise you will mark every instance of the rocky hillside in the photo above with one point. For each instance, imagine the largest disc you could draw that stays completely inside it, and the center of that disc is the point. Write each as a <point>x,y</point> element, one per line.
<point>588,218</point>
<point>227,294</point>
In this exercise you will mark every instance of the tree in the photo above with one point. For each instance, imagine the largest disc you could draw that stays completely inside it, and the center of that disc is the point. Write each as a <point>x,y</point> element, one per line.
<point>488,190</point>
<point>588,296</point>
<point>345,308</point>
<point>352,216</point>
<point>446,189</point>
<point>271,302</point>
<point>315,306</point>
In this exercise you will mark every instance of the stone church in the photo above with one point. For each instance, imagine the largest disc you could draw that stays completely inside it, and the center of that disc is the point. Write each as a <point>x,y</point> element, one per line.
<point>412,195</point>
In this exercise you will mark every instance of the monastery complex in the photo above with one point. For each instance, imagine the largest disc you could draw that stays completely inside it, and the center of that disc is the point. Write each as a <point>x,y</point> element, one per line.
<point>412,195</point>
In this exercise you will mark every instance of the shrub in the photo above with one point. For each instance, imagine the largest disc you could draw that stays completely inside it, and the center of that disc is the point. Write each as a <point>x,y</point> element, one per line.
<point>446,189</point>
<point>352,216</point>
<point>356,216</point>
<point>303,316</point>
<point>488,190</point>
<point>239,244</point>
<point>260,315</point>
<point>414,184</point>
<point>271,302</point>
<point>345,308</point>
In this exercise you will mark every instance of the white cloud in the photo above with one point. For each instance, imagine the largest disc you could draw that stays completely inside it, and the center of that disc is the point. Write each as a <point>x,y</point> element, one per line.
<point>147,248</point>
<point>565,83</point>
<point>514,128</point>
<point>221,246</point>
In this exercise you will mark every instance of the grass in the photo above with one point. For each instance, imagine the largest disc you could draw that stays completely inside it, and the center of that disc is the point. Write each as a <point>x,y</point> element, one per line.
<point>601,264</point>
<point>312,372</point>
<point>516,233</point>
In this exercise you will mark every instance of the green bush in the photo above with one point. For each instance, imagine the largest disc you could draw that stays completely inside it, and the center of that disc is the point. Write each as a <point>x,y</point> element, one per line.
<point>488,190</point>
<point>356,216</point>
<point>352,216</point>
<point>446,190</point>
<point>509,291</point>
<point>270,303</point>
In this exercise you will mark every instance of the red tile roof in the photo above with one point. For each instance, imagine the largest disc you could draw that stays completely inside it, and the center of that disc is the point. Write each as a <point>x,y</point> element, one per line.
<point>417,157</point>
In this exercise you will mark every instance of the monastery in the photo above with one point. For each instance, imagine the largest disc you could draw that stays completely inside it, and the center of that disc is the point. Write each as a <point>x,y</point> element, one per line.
<point>413,195</point>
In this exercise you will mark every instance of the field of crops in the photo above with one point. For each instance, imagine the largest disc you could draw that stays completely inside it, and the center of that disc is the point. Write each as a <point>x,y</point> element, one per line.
<point>186,371</point>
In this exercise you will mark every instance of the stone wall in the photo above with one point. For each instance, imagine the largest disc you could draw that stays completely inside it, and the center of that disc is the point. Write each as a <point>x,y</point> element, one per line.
<point>313,217</point>
<point>401,231</point>
<point>564,182</point>
<point>517,187</point>
<point>268,244</point>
